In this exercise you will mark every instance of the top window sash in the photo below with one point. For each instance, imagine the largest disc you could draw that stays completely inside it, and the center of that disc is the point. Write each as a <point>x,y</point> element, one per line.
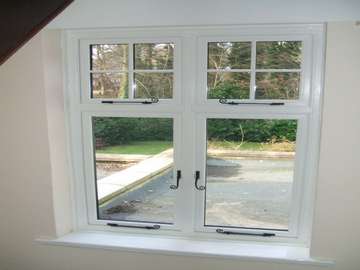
<point>304,72</point>
<point>86,71</point>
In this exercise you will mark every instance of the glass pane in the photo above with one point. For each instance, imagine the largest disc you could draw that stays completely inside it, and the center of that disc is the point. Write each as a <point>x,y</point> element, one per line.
<point>229,55</point>
<point>109,85</point>
<point>277,85</point>
<point>231,85</point>
<point>158,85</point>
<point>278,54</point>
<point>134,168</point>
<point>249,170</point>
<point>154,55</point>
<point>109,57</point>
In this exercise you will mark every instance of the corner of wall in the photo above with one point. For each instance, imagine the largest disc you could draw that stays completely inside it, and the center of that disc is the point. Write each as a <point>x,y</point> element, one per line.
<point>55,113</point>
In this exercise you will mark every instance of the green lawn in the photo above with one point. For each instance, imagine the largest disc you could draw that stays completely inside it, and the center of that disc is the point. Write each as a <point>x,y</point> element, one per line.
<point>137,148</point>
<point>155,147</point>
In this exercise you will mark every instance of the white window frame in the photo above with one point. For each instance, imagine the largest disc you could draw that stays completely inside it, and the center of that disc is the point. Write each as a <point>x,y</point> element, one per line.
<point>297,184</point>
<point>85,70</point>
<point>305,74</point>
<point>189,107</point>
<point>89,162</point>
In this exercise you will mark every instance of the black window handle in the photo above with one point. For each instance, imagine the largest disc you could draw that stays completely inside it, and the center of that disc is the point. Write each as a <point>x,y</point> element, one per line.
<point>197,177</point>
<point>178,177</point>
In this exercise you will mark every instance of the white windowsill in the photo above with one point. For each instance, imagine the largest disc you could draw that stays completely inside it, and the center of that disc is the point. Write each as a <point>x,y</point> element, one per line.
<point>188,247</point>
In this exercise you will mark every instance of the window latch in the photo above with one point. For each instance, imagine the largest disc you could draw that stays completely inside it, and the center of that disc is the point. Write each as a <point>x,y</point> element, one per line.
<point>197,177</point>
<point>178,177</point>
<point>149,101</point>
<point>225,101</point>
<point>153,227</point>
<point>245,233</point>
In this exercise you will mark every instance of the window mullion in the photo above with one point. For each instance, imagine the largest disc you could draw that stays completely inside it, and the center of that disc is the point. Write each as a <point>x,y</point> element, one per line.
<point>186,207</point>
<point>253,71</point>
<point>131,89</point>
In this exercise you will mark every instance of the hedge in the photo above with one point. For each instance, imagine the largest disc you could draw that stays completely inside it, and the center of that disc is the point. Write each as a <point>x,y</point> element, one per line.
<point>118,130</point>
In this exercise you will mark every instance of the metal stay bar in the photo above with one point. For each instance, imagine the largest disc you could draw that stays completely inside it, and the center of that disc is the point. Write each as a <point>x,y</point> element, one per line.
<point>225,101</point>
<point>151,101</point>
<point>152,227</point>
<point>244,233</point>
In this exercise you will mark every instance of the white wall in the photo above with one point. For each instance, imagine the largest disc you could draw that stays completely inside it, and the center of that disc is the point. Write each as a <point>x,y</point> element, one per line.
<point>337,213</point>
<point>55,115</point>
<point>28,120</point>
<point>110,13</point>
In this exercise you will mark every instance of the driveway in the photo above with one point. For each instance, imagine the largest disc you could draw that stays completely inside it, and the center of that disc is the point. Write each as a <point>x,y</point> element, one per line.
<point>240,192</point>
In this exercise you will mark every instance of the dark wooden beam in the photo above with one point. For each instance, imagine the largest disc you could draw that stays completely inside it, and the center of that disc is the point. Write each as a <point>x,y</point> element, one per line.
<point>20,20</point>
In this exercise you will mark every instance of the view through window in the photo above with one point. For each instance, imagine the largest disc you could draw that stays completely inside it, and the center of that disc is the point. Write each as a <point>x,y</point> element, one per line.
<point>227,147</point>
<point>250,168</point>
<point>134,168</point>
<point>148,74</point>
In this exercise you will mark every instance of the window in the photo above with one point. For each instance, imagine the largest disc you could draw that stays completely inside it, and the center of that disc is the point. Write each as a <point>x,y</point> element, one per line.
<point>153,75</point>
<point>128,70</point>
<point>109,70</point>
<point>229,66</point>
<point>135,186</point>
<point>202,132</point>
<point>278,69</point>
<point>249,188</point>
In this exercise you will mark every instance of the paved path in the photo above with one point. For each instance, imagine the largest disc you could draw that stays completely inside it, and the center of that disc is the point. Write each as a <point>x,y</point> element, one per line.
<point>124,180</point>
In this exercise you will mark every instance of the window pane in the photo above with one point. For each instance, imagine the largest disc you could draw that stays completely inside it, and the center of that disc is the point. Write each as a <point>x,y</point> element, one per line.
<point>109,57</point>
<point>250,166</point>
<point>109,85</point>
<point>229,55</point>
<point>277,85</point>
<point>278,54</point>
<point>158,85</point>
<point>134,168</point>
<point>154,55</point>
<point>231,85</point>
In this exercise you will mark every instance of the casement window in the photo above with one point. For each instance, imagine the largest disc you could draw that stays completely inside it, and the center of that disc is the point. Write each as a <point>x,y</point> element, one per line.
<point>207,131</point>
<point>124,69</point>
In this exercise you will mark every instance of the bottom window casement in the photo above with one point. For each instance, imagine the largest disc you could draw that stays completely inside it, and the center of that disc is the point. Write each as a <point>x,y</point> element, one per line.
<point>134,169</point>
<point>244,183</point>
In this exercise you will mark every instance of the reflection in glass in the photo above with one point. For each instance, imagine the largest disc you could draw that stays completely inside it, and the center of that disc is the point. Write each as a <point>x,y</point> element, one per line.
<point>106,57</point>
<point>229,55</point>
<point>230,85</point>
<point>278,54</point>
<point>109,85</point>
<point>277,85</point>
<point>158,85</point>
<point>249,172</point>
<point>134,168</point>
<point>154,56</point>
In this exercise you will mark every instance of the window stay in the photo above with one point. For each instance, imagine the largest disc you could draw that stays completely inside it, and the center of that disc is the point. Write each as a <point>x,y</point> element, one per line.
<point>150,101</point>
<point>225,101</point>
<point>243,233</point>
<point>153,227</point>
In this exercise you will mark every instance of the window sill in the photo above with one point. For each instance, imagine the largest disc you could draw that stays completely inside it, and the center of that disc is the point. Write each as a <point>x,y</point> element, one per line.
<point>269,252</point>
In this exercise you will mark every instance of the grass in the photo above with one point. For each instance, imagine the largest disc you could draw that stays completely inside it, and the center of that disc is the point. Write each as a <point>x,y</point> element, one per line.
<point>155,147</point>
<point>137,148</point>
